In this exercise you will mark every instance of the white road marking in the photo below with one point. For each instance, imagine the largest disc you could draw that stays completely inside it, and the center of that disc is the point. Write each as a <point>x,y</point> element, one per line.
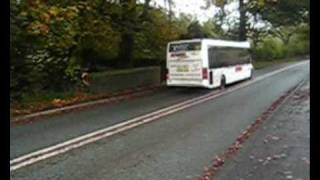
<point>60,148</point>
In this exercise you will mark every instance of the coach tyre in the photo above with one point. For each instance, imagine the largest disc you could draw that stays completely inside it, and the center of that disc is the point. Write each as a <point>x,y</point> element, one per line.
<point>251,74</point>
<point>223,82</point>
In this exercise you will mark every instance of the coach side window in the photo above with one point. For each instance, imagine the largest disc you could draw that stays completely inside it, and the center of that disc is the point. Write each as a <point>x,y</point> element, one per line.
<point>227,56</point>
<point>236,56</point>
<point>211,57</point>
<point>244,56</point>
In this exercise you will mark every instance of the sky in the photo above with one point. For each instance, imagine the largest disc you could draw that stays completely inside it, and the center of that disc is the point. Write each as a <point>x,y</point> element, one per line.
<point>193,7</point>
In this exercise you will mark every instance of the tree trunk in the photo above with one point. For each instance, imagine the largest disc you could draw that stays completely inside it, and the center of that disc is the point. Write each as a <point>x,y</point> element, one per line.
<point>169,4</point>
<point>243,21</point>
<point>286,40</point>
<point>128,17</point>
<point>170,10</point>
<point>146,7</point>
<point>125,50</point>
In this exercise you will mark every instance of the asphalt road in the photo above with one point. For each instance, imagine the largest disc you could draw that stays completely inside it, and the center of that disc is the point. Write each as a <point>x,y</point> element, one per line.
<point>175,147</point>
<point>49,131</point>
<point>280,149</point>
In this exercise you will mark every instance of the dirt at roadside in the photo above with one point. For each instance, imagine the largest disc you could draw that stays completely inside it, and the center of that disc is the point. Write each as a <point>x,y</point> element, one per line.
<point>280,149</point>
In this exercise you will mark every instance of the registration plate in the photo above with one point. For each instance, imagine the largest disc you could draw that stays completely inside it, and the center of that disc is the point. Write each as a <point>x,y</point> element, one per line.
<point>184,68</point>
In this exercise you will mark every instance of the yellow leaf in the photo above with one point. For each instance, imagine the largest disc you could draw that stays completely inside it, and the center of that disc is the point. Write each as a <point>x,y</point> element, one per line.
<point>45,17</point>
<point>54,11</point>
<point>23,13</point>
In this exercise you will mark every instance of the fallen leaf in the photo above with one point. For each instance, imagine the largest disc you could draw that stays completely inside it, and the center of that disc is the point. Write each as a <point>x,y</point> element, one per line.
<point>283,155</point>
<point>251,157</point>
<point>275,138</point>
<point>287,172</point>
<point>285,146</point>
<point>289,177</point>
<point>265,163</point>
<point>276,156</point>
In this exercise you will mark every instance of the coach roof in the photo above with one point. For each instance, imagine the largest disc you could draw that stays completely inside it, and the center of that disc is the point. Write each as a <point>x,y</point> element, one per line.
<point>217,42</point>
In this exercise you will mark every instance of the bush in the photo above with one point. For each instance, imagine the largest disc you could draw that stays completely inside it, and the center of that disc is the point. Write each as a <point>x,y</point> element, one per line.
<point>298,46</point>
<point>269,49</point>
<point>145,62</point>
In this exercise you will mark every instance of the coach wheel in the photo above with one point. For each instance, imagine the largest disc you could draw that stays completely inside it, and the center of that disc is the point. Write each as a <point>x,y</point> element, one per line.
<point>223,82</point>
<point>251,75</point>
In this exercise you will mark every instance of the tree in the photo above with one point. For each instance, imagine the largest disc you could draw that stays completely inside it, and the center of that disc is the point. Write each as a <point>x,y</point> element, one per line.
<point>129,24</point>
<point>151,41</point>
<point>194,31</point>
<point>284,16</point>
<point>128,20</point>
<point>211,29</point>
<point>221,15</point>
<point>170,12</point>
<point>257,35</point>
<point>284,33</point>
<point>243,21</point>
<point>48,56</point>
<point>19,68</point>
<point>282,13</point>
<point>242,28</point>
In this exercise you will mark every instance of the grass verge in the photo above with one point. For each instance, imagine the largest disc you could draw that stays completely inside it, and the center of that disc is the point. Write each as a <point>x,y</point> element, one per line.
<point>260,64</point>
<point>51,100</point>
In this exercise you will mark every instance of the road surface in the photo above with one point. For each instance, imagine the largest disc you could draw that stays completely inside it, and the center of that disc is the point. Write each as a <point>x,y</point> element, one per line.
<point>177,146</point>
<point>281,148</point>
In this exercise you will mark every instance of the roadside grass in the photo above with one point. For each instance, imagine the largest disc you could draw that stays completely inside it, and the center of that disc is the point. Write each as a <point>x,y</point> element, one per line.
<point>264,64</point>
<point>260,64</point>
<point>39,102</point>
<point>50,100</point>
<point>120,71</point>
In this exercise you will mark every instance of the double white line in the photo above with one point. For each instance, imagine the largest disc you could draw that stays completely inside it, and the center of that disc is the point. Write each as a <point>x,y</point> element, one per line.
<point>71,144</point>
